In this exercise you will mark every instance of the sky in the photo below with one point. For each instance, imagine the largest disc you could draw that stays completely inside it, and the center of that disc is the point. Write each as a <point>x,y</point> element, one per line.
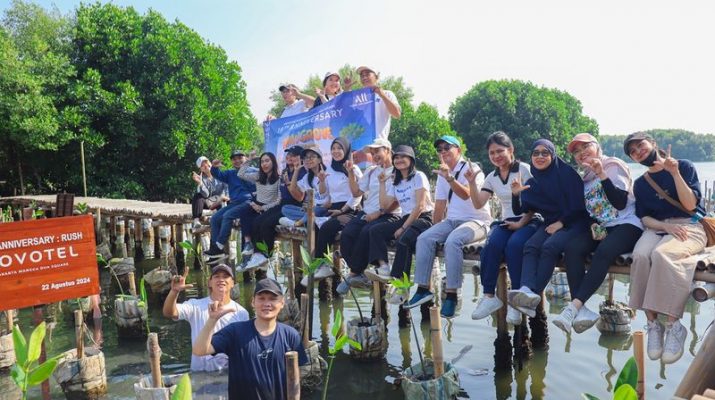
<point>634,65</point>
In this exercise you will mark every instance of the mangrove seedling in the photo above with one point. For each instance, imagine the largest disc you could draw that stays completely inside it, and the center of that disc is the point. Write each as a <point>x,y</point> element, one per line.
<point>625,388</point>
<point>143,302</point>
<point>81,208</point>
<point>183,389</point>
<point>341,339</point>
<point>403,286</point>
<point>25,372</point>
<point>101,262</point>
<point>7,215</point>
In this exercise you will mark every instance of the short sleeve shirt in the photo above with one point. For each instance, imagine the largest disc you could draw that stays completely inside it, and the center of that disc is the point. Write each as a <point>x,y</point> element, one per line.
<point>458,208</point>
<point>494,184</point>
<point>649,203</point>
<point>339,188</point>
<point>294,109</point>
<point>404,192</point>
<point>369,184</point>
<point>382,115</point>
<point>320,199</point>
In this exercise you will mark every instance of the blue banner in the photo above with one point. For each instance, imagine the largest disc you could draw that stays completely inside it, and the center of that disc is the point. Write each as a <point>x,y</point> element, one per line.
<point>350,115</point>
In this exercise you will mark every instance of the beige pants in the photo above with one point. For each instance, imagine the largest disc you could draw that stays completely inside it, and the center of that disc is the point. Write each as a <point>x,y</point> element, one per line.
<point>663,267</point>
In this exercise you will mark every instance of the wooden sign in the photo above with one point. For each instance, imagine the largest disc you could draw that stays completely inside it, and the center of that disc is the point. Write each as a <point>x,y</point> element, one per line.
<point>48,260</point>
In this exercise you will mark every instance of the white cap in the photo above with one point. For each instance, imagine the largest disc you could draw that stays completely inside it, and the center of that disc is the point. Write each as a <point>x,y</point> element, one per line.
<point>380,142</point>
<point>201,160</point>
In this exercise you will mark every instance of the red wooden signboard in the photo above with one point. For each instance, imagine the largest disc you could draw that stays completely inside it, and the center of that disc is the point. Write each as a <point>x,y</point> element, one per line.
<point>47,260</point>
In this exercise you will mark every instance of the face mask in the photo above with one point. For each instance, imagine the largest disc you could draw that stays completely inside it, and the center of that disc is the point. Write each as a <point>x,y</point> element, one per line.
<point>648,161</point>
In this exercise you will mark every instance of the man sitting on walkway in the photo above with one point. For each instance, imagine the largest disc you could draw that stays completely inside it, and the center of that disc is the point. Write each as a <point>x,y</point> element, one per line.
<point>239,191</point>
<point>196,311</point>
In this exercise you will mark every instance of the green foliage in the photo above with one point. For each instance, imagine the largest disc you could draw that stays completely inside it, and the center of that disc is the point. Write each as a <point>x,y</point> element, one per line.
<point>341,339</point>
<point>81,208</point>
<point>625,385</point>
<point>144,302</point>
<point>183,389</point>
<point>402,285</point>
<point>263,248</point>
<point>26,372</point>
<point>6,215</point>
<point>684,144</point>
<point>311,265</point>
<point>523,110</point>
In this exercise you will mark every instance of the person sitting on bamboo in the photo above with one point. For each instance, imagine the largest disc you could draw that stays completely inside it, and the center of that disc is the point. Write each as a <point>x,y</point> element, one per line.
<point>256,348</point>
<point>196,311</point>
<point>268,195</point>
<point>668,202</point>
<point>210,193</point>
<point>295,215</point>
<point>608,191</point>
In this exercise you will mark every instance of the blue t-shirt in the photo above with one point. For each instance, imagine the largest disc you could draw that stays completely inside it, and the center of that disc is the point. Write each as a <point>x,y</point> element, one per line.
<point>649,203</point>
<point>239,190</point>
<point>256,364</point>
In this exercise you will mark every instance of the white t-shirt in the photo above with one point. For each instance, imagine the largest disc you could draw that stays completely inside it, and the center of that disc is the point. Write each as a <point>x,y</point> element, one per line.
<point>502,189</point>
<point>458,208</point>
<point>304,186</point>
<point>382,116</point>
<point>601,209</point>
<point>369,184</point>
<point>339,188</point>
<point>196,312</point>
<point>404,192</point>
<point>294,109</point>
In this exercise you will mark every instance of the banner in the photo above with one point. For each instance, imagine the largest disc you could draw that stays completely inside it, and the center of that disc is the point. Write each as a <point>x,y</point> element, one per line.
<point>47,260</point>
<point>350,115</point>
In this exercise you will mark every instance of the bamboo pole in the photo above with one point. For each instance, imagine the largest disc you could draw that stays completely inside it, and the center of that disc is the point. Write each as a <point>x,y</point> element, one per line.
<point>138,238</point>
<point>10,322</point>
<point>611,279</point>
<point>132,284</point>
<point>436,330</point>
<point>700,374</point>
<point>112,233</point>
<point>639,356</point>
<point>178,231</point>
<point>155,360</point>
<point>304,315</point>
<point>84,172</point>
<point>501,293</point>
<point>293,375</point>
<point>157,241</point>
<point>377,298</point>
<point>78,324</point>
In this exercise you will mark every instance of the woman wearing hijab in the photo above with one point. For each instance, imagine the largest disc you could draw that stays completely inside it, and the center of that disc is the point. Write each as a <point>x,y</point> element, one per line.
<point>608,192</point>
<point>555,191</point>
<point>668,203</point>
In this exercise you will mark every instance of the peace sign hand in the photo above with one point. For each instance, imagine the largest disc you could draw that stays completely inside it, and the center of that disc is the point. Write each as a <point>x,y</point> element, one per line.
<point>348,83</point>
<point>178,282</point>
<point>349,164</point>
<point>383,177</point>
<point>670,164</point>
<point>517,187</point>
<point>322,174</point>
<point>470,174</point>
<point>443,170</point>
<point>218,310</point>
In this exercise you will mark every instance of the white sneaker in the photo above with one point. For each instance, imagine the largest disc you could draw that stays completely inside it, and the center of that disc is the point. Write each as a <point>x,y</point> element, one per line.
<point>486,306</point>
<point>196,225</point>
<point>324,271</point>
<point>319,221</point>
<point>584,319</point>
<point>674,340</point>
<point>565,319</point>
<point>376,277</point>
<point>304,281</point>
<point>285,221</point>
<point>257,260</point>
<point>513,316</point>
<point>655,339</point>
<point>384,270</point>
<point>396,297</point>
<point>530,312</point>
<point>524,297</point>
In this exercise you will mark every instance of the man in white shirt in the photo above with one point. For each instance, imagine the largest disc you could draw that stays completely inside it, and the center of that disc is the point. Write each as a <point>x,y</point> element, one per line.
<point>386,104</point>
<point>195,311</point>
<point>295,101</point>
<point>456,223</point>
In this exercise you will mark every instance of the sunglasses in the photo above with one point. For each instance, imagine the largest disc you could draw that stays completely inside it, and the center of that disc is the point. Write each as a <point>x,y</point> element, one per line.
<point>443,148</point>
<point>540,153</point>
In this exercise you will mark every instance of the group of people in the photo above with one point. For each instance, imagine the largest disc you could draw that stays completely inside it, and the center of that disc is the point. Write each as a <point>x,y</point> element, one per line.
<point>548,208</point>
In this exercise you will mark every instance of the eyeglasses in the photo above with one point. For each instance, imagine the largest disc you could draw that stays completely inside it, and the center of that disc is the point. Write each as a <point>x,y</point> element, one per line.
<point>311,157</point>
<point>583,148</point>
<point>540,153</point>
<point>265,354</point>
<point>443,148</point>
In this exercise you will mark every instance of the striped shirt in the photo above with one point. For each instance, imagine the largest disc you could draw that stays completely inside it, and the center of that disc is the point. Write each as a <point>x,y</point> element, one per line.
<point>268,195</point>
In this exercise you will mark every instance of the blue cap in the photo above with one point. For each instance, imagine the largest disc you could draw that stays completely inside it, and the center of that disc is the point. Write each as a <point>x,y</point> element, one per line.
<point>447,139</point>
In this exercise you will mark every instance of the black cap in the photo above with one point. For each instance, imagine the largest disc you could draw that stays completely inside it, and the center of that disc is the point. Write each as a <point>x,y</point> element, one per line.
<point>268,285</point>
<point>294,150</point>
<point>222,267</point>
<point>285,86</point>
<point>237,153</point>
<point>636,136</point>
<point>404,150</point>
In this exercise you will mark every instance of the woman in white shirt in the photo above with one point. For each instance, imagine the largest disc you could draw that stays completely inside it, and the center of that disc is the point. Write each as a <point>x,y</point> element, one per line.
<point>313,164</point>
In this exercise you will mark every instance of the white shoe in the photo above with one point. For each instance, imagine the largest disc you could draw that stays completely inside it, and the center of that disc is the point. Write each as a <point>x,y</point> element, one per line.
<point>319,221</point>
<point>525,298</point>
<point>486,306</point>
<point>674,340</point>
<point>196,225</point>
<point>584,319</point>
<point>566,318</point>
<point>396,297</point>
<point>530,312</point>
<point>285,221</point>
<point>324,271</point>
<point>257,260</point>
<point>513,316</point>
<point>384,270</point>
<point>655,339</point>
<point>376,277</point>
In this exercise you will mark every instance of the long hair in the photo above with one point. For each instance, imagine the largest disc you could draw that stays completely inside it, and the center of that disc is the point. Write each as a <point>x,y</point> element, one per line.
<point>398,174</point>
<point>272,177</point>
<point>499,138</point>
<point>311,174</point>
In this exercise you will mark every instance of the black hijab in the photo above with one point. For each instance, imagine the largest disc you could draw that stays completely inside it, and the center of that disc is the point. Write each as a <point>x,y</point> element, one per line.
<point>339,165</point>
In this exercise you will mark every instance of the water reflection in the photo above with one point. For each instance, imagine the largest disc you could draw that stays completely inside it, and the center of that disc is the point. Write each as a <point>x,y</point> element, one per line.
<point>613,343</point>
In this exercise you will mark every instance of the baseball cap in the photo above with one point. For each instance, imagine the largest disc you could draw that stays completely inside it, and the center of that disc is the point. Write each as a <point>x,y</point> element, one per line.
<point>268,285</point>
<point>201,160</point>
<point>364,68</point>
<point>404,150</point>
<point>222,267</point>
<point>328,75</point>
<point>636,136</point>
<point>285,86</point>
<point>580,138</point>
<point>447,139</point>
<point>237,153</point>
<point>294,150</point>
<point>380,142</point>
<point>310,147</point>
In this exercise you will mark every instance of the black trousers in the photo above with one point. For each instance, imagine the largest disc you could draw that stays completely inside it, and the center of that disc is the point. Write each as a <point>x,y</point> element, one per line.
<point>329,230</point>
<point>582,284</point>
<point>355,240</point>
<point>199,203</point>
<point>381,234</point>
<point>264,227</point>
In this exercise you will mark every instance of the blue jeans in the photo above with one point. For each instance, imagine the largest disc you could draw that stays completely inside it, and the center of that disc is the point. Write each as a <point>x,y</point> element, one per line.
<point>222,221</point>
<point>541,253</point>
<point>297,213</point>
<point>508,245</point>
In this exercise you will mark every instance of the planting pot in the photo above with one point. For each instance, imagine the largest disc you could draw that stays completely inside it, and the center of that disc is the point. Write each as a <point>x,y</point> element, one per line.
<point>311,374</point>
<point>159,280</point>
<point>7,351</point>
<point>104,250</point>
<point>615,318</point>
<point>417,385</point>
<point>371,336</point>
<point>82,378</point>
<point>129,317</point>
<point>145,390</point>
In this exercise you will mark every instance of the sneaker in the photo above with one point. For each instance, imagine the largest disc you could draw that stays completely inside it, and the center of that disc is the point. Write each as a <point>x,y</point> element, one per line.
<point>655,339</point>
<point>486,306</point>
<point>257,260</point>
<point>524,297</point>
<point>285,221</point>
<point>530,312</point>
<point>420,298</point>
<point>214,253</point>
<point>674,340</point>
<point>448,307</point>
<point>304,281</point>
<point>384,270</point>
<point>319,221</point>
<point>359,281</point>
<point>584,319</point>
<point>566,318</point>
<point>324,271</point>
<point>247,249</point>
<point>513,316</point>
<point>374,276</point>
<point>344,286</point>
<point>195,225</point>
<point>397,297</point>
